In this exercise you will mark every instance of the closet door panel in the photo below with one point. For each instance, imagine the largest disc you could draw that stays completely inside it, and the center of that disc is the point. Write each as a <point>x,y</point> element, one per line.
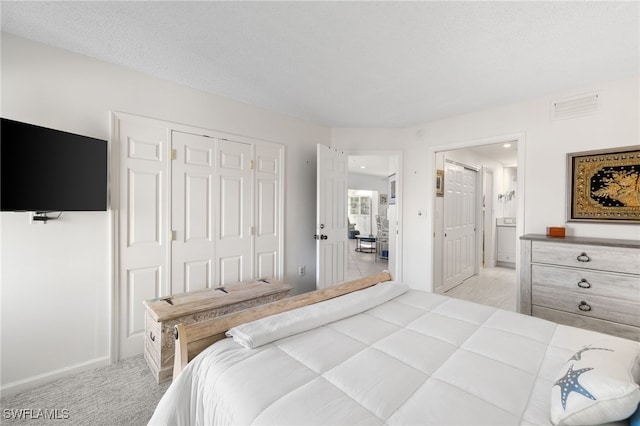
<point>268,200</point>
<point>234,240</point>
<point>142,220</point>
<point>192,208</point>
<point>231,208</point>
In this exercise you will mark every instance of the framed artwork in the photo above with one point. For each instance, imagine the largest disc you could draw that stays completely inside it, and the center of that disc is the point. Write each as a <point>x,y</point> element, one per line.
<point>604,185</point>
<point>439,183</point>
<point>392,189</point>
<point>383,199</point>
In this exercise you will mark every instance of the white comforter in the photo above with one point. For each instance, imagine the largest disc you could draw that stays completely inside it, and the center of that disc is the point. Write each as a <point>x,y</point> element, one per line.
<point>418,358</point>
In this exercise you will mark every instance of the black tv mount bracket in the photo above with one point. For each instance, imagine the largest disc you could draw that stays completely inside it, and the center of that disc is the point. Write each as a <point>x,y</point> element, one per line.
<point>43,216</point>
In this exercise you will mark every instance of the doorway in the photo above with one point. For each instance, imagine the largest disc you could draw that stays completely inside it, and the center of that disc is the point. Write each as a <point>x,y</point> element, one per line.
<point>490,157</point>
<point>374,215</point>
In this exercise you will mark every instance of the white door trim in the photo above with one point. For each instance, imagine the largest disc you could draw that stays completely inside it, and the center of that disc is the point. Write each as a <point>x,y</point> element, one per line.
<point>431,196</point>
<point>114,194</point>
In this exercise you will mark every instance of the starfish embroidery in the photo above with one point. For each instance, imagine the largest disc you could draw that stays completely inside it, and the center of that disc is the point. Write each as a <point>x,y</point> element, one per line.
<point>578,355</point>
<point>569,383</point>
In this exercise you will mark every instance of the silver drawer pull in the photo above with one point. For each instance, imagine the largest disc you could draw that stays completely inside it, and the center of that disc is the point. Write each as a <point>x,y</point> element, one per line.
<point>584,306</point>
<point>583,257</point>
<point>152,337</point>
<point>583,283</point>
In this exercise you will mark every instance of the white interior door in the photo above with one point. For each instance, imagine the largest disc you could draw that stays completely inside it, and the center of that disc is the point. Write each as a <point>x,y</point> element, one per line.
<point>143,227</point>
<point>234,228</point>
<point>459,224</point>
<point>192,196</point>
<point>268,200</point>
<point>331,213</point>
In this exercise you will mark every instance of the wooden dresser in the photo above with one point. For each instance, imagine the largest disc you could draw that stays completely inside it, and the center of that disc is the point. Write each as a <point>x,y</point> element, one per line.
<point>592,283</point>
<point>164,313</point>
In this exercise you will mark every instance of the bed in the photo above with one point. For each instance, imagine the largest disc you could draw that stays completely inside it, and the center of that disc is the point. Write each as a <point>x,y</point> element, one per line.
<point>388,354</point>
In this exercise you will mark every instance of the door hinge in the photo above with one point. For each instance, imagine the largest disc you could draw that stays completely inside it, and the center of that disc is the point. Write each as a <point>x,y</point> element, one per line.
<point>251,164</point>
<point>173,154</point>
<point>252,230</point>
<point>172,235</point>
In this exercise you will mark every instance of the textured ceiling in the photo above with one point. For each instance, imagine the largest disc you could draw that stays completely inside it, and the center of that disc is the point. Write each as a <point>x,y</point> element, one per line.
<point>351,64</point>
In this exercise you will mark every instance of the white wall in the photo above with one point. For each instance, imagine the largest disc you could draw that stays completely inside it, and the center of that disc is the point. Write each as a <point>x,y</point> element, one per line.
<point>55,278</point>
<point>547,143</point>
<point>372,183</point>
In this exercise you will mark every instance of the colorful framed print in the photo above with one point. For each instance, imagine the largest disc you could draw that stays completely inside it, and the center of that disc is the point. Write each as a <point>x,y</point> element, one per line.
<point>604,185</point>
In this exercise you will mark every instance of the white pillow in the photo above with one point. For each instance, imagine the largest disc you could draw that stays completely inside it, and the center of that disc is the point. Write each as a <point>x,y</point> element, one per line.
<point>597,385</point>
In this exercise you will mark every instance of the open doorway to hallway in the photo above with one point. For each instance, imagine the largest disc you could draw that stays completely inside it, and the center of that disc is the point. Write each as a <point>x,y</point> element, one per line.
<point>476,215</point>
<point>374,222</point>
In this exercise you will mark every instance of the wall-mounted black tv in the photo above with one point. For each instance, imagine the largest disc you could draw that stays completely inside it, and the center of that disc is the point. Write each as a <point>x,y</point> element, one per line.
<point>47,170</point>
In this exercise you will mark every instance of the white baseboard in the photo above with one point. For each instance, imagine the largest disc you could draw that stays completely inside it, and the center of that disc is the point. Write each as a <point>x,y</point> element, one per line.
<point>41,379</point>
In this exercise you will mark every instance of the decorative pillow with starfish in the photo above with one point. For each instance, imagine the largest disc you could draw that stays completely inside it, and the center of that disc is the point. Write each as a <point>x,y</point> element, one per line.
<point>597,384</point>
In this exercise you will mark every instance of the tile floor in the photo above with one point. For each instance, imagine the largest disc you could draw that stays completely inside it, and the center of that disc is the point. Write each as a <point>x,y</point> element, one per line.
<point>493,286</point>
<point>363,264</point>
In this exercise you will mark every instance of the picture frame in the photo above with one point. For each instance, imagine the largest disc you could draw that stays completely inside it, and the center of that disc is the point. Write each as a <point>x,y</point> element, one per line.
<point>604,185</point>
<point>392,189</point>
<point>439,183</point>
<point>383,199</point>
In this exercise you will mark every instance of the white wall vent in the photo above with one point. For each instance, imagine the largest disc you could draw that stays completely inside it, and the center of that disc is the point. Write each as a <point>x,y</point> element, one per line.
<point>575,106</point>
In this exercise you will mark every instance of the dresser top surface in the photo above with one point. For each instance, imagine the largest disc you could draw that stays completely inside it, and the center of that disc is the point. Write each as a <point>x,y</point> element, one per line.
<point>611,242</point>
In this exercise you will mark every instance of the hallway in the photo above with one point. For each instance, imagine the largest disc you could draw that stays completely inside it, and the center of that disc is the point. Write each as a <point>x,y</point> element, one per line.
<point>363,264</point>
<point>493,286</point>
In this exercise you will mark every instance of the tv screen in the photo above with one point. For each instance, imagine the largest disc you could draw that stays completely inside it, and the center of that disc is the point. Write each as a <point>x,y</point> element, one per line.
<point>45,170</point>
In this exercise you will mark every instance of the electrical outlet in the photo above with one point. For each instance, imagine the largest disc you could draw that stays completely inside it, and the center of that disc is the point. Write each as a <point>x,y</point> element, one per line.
<point>301,271</point>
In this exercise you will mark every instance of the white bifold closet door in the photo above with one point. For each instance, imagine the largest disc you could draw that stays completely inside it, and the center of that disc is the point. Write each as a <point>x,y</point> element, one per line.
<point>194,212</point>
<point>234,228</point>
<point>268,219</point>
<point>248,196</point>
<point>142,224</point>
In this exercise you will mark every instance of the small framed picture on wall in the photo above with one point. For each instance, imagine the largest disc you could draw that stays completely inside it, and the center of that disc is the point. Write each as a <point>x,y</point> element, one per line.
<point>439,183</point>
<point>392,189</point>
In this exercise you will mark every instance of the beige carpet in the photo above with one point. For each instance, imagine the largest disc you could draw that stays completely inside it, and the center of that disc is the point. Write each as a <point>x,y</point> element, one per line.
<point>121,394</point>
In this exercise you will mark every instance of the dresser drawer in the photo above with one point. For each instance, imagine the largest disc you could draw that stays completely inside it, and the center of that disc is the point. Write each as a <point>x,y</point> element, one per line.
<point>616,310</point>
<point>626,287</point>
<point>604,258</point>
<point>595,324</point>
